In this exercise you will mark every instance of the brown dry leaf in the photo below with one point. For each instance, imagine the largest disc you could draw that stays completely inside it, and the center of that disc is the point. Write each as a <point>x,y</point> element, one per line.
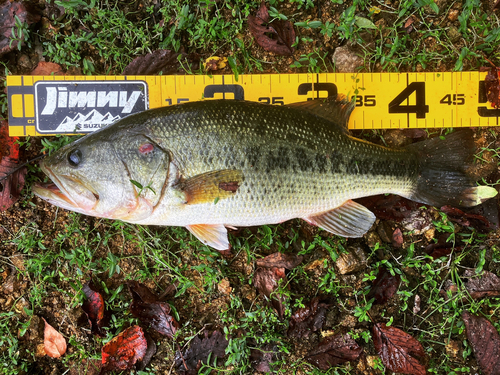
<point>277,36</point>
<point>288,261</point>
<point>399,351</point>
<point>267,281</point>
<point>333,351</point>
<point>492,85</point>
<point>384,287</point>
<point>486,285</point>
<point>308,319</point>
<point>397,238</point>
<point>150,310</point>
<point>485,342</point>
<point>465,219</point>
<point>390,207</point>
<point>262,358</point>
<point>45,68</point>
<point>152,63</point>
<point>53,341</point>
<point>189,362</point>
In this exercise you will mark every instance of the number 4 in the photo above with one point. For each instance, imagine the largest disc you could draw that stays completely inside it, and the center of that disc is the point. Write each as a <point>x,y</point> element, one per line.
<point>420,108</point>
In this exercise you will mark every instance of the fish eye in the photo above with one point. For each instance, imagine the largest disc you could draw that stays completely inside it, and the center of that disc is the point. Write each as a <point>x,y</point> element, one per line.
<point>75,158</point>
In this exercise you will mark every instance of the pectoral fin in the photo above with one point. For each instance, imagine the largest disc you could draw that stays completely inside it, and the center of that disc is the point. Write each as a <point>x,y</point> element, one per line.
<point>211,186</point>
<point>211,235</point>
<point>349,220</point>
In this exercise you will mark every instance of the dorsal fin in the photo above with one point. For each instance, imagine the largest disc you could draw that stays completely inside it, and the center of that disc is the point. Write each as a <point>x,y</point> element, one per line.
<point>336,109</point>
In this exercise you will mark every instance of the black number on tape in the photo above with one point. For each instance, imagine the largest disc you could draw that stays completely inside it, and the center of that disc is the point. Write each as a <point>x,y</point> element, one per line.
<point>420,108</point>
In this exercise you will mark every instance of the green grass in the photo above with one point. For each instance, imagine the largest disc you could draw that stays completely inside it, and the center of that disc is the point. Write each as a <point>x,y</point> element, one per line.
<point>103,38</point>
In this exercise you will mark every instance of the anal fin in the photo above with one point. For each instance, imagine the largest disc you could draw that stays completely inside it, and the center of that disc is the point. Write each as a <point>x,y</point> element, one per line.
<point>211,235</point>
<point>349,220</point>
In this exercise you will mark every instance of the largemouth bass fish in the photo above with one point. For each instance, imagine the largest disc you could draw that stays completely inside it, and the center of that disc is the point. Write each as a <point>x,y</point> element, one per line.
<point>223,163</point>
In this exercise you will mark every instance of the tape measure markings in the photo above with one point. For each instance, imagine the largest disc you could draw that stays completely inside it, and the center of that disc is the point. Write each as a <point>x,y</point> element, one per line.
<point>383,100</point>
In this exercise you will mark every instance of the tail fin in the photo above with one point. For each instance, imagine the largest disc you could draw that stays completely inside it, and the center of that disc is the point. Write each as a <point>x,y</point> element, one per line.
<point>443,179</point>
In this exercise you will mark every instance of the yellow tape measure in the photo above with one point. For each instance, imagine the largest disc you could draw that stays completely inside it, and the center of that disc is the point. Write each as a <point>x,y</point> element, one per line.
<point>48,105</point>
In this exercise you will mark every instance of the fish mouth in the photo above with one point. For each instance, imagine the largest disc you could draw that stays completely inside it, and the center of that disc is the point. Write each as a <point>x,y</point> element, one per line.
<point>66,192</point>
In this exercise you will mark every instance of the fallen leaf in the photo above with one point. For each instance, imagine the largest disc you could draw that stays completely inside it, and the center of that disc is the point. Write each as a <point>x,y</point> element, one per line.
<point>397,238</point>
<point>123,351</point>
<point>11,178</point>
<point>154,62</point>
<point>288,261</point>
<point>390,207</point>
<point>492,85</point>
<point>262,358</point>
<point>45,68</point>
<point>465,219</point>
<point>150,310</point>
<point>496,5</point>
<point>198,352</point>
<point>399,351</point>
<point>333,351</point>
<point>277,36</point>
<point>485,285</point>
<point>53,341</point>
<point>384,287</point>
<point>94,307</point>
<point>150,352</point>
<point>485,342</point>
<point>442,247</point>
<point>308,319</point>
<point>8,10</point>
<point>215,63</point>
<point>267,281</point>
<point>364,23</point>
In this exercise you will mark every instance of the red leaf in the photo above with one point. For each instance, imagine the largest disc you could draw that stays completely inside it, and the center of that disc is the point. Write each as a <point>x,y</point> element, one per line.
<point>308,319</point>
<point>399,351</point>
<point>147,307</point>
<point>486,285</point>
<point>266,281</point>
<point>384,287</point>
<point>54,343</point>
<point>485,342</point>
<point>93,306</point>
<point>190,361</point>
<point>122,352</point>
<point>150,352</point>
<point>334,350</point>
<point>492,86</point>
<point>277,36</point>
<point>11,183</point>
<point>288,261</point>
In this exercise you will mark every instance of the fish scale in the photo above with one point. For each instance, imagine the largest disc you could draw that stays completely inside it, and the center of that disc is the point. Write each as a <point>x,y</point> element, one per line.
<point>211,164</point>
<point>280,183</point>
